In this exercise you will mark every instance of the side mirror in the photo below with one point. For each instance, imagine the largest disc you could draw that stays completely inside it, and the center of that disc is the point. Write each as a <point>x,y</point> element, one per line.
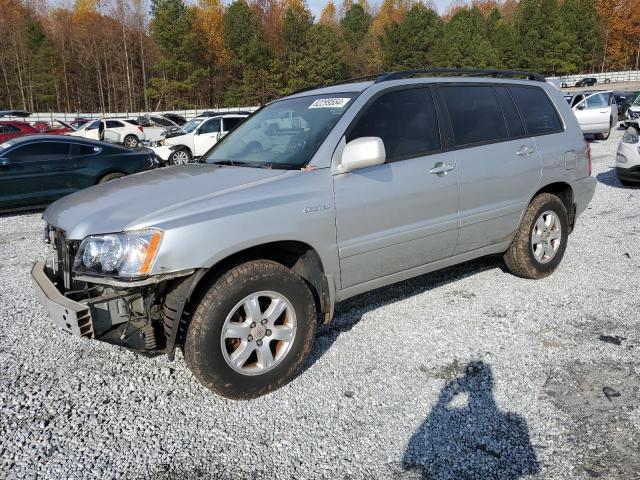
<point>361,153</point>
<point>580,106</point>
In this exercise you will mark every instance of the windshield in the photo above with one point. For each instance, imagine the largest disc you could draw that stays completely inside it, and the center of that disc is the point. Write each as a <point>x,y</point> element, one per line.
<point>191,125</point>
<point>284,134</point>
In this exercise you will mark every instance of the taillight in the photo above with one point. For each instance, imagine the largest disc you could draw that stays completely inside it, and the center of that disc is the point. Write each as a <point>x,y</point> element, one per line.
<point>588,145</point>
<point>140,128</point>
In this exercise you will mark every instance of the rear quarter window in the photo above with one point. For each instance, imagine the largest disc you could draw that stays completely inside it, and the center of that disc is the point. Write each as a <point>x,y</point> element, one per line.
<point>539,114</point>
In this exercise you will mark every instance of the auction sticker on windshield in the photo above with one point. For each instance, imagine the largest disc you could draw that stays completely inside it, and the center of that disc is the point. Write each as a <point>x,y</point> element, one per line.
<point>329,103</point>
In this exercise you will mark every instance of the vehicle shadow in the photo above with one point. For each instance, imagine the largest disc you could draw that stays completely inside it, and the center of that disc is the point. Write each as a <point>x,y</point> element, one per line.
<point>610,179</point>
<point>467,436</point>
<point>351,311</point>
<point>22,213</point>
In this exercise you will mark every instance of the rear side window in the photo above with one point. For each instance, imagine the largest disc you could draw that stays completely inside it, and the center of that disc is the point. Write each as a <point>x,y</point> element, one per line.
<point>230,123</point>
<point>114,124</point>
<point>406,122</point>
<point>78,150</point>
<point>476,116</point>
<point>539,114</point>
<point>514,122</point>
<point>8,129</point>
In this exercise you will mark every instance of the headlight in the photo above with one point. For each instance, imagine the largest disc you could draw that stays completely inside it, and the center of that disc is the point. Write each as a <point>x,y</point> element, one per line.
<point>621,158</point>
<point>630,136</point>
<point>127,254</point>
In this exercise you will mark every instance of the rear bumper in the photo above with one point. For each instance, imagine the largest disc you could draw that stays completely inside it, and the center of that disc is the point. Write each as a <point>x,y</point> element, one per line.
<point>583,191</point>
<point>70,316</point>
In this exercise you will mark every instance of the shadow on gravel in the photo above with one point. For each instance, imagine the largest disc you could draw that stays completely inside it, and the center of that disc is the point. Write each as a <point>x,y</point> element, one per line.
<point>611,179</point>
<point>466,436</point>
<point>351,311</point>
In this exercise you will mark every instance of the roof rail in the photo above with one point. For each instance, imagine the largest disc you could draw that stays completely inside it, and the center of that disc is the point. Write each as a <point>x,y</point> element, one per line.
<point>460,71</point>
<point>341,82</point>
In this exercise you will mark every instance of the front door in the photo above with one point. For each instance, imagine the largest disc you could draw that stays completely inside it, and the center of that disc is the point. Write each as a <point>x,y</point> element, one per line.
<point>594,113</point>
<point>403,214</point>
<point>206,136</point>
<point>34,174</point>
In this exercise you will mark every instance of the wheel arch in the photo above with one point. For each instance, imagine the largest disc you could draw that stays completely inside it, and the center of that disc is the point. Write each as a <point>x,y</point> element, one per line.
<point>564,192</point>
<point>183,296</point>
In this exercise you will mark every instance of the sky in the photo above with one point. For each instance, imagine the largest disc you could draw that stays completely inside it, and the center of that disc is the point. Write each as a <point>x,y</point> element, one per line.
<point>316,6</point>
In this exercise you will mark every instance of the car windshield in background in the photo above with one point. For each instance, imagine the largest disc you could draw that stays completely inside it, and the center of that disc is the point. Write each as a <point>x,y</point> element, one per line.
<point>191,125</point>
<point>284,134</point>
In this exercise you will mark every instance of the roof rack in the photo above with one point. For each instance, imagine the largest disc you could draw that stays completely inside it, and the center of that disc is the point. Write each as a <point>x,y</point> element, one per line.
<point>472,72</point>
<point>341,82</point>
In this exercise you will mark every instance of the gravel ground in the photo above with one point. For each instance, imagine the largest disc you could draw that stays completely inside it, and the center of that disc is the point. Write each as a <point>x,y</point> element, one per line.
<point>465,373</point>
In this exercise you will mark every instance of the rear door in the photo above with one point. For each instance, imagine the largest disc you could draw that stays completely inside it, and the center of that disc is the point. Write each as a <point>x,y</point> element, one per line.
<point>34,174</point>
<point>403,214</point>
<point>498,167</point>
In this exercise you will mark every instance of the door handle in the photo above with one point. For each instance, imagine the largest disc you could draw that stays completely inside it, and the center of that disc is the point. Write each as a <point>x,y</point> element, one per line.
<point>5,162</point>
<point>524,151</point>
<point>441,169</point>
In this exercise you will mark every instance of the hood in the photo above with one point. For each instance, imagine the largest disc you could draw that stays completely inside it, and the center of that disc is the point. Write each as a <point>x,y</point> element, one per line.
<point>146,198</point>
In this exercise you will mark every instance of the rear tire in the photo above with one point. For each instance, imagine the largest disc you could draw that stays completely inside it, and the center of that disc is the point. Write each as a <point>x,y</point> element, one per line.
<point>541,239</point>
<point>110,176</point>
<point>131,141</point>
<point>239,350</point>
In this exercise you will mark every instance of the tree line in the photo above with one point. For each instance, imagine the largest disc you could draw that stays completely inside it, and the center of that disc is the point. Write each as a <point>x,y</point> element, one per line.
<point>140,55</point>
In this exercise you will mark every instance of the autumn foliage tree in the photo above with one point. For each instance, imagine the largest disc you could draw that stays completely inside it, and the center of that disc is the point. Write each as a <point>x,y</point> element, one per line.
<point>141,55</point>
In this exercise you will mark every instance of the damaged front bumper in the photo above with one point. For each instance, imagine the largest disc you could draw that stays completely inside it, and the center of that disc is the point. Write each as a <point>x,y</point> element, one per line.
<point>143,316</point>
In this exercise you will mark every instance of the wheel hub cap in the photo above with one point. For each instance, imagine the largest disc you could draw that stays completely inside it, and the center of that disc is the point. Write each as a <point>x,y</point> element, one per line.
<point>258,333</point>
<point>546,236</point>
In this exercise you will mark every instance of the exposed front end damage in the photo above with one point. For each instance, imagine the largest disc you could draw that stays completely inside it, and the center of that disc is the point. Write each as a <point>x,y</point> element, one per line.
<point>142,315</point>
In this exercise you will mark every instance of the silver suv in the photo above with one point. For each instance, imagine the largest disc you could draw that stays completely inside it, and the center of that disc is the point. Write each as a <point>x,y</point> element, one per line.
<point>315,198</point>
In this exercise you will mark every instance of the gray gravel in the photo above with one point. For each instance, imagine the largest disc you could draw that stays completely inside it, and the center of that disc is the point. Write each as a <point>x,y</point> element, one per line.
<point>465,373</point>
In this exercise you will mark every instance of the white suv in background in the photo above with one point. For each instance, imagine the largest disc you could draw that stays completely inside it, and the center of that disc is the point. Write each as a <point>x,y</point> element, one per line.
<point>596,112</point>
<point>200,134</point>
<point>111,130</point>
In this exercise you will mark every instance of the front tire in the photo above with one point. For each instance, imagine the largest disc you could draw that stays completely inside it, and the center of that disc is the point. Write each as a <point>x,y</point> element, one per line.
<point>180,157</point>
<point>603,136</point>
<point>251,331</point>
<point>541,239</point>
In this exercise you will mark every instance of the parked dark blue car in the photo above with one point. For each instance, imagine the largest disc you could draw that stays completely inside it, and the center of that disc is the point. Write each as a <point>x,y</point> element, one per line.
<point>38,169</point>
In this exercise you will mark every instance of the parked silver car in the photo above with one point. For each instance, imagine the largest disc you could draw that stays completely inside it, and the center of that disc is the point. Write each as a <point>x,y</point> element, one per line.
<point>237,260</point>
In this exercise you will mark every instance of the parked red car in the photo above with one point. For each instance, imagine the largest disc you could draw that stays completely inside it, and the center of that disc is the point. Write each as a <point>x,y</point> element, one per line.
<point>56,127</point>
<point>12,129</point>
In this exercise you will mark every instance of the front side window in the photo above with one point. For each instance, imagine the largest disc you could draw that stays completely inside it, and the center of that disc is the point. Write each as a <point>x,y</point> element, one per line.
<point>475,114</point>
<point>540,116</point>
<point>212,126</point>
<point>9,129</point>
<point>92,126</point>
<point>406,122</point>
<point>40,151</point>
<point>597,101</point>
<point>284,134</point>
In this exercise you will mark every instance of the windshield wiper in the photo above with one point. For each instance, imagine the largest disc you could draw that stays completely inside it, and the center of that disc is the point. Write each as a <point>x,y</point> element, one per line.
<point>240,163</point>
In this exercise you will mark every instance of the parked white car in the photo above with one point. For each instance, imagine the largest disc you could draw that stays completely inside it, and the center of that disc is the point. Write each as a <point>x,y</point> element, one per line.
<point>628,158</point>
<point>200,134</point>
<point>596,112</point>
<point>155,126</point>
<point>111,130</point>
